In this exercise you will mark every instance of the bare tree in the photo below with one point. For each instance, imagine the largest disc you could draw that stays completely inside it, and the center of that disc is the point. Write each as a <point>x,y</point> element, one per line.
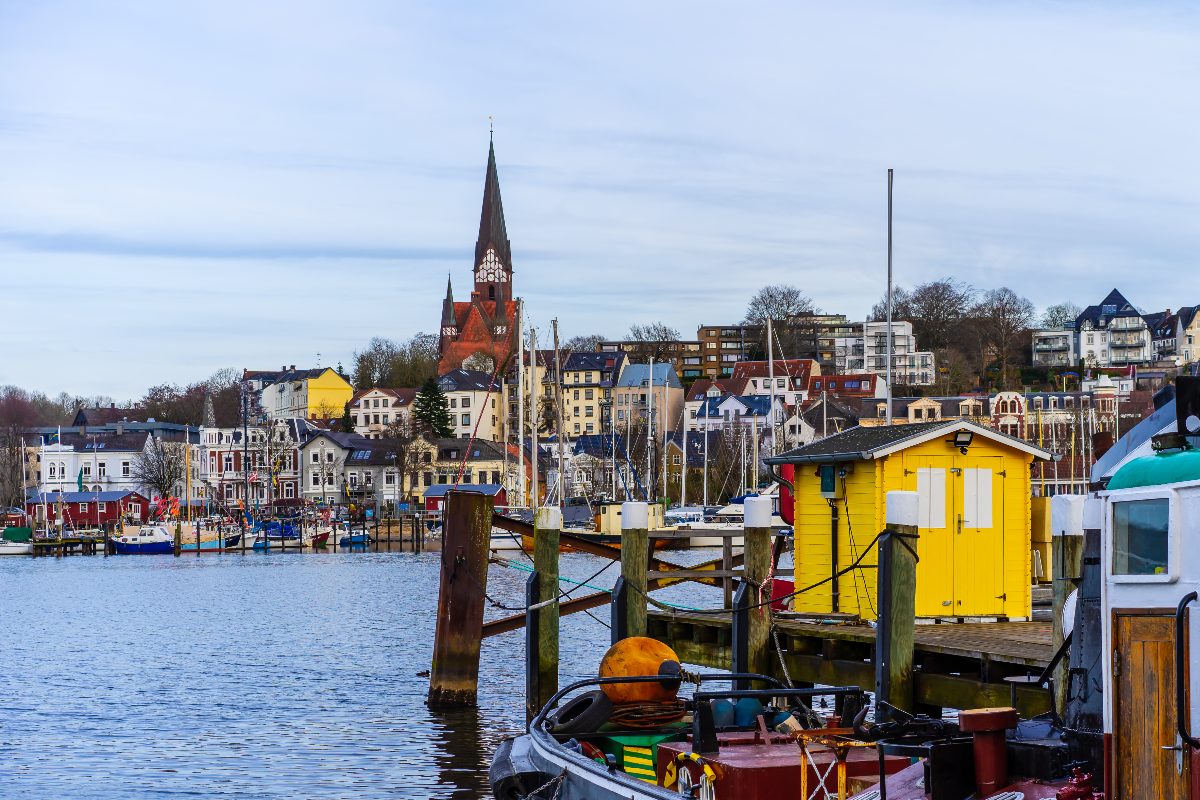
<point>1004,318</point>
<point>403,443</point>
<point>386,362</point>
<point>934,309</point>
<point>778,303</point>
<point>1060,315</point>
<point>12,479</point>
<point>654,340</point>
<point>588,343</point>
<point>159,466</point>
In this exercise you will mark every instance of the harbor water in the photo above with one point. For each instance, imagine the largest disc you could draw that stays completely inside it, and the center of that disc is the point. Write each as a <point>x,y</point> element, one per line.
<point>257,675</point>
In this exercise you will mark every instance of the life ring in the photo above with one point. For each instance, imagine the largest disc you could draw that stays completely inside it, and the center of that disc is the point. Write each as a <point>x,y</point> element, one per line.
<point>671,773</point>
<point>582,714</point>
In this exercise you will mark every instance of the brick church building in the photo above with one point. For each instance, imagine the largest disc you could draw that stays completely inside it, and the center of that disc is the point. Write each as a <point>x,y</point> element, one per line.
<point>481,332</point>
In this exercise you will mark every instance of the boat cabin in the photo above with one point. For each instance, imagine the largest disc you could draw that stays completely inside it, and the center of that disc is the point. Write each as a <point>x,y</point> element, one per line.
<point>1149,518</point>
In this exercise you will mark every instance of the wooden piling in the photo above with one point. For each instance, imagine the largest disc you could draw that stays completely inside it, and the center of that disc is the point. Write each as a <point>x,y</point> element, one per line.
<point>635,558</point>
<point>542,622</point>
<point>897,588</point>
<point>178,539</point>
<point>1066,547</point>
<point>466,533</point>
<point>757,571</point>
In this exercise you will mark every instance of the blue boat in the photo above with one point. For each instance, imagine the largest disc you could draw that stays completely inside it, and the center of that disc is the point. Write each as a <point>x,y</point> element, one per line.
<point>150,539</point>
<point>354,540</point>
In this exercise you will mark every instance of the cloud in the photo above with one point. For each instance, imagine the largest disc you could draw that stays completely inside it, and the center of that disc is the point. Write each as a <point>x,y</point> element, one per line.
<point>214,184</point>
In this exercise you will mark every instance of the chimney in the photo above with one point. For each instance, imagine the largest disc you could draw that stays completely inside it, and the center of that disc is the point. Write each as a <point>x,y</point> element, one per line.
<point>283,367</point>
<point>114,405</point>
<point>292,367</point>
<point>120,428</point>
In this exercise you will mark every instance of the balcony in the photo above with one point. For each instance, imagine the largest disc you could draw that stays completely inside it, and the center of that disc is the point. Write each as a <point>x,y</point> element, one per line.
<point>1127,342</point>
<point>1052,345</point>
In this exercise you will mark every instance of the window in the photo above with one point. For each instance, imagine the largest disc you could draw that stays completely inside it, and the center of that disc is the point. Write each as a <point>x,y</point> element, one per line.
<point>316,457</point>
<point>83,508</point>
<point>466,419</point>
<point>288,491</point>
<point>590,428</point>
<point>229,462</point>
<point>329,456</point>
<point>466,402</point>
<point>385,419</point>
<point>53,470</point>
<point>454,402</point>
<point>101,507</point>
<point>329,479</point>
<point>676,459</point>
<point>576,394</point>
<point>389,479</point>
<point>1140,537</point>
<point>102,470</point>
<point>428,478</point>
<point>316,480</point>
<point>87,470</point>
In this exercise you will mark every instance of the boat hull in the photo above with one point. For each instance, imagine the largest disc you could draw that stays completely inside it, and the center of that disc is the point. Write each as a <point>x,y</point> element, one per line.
<point>16,548</point>
<point>142,548</point>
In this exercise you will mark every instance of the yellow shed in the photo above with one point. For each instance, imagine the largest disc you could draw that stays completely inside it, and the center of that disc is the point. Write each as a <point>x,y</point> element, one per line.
<point>974,491</point>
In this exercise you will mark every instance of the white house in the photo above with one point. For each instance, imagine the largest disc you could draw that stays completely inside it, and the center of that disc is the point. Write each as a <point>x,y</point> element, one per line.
<point>373,411</point>
<point>866,351</point>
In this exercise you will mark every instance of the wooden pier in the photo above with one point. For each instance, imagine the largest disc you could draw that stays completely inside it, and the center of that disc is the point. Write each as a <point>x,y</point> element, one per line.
<point>956,665</point>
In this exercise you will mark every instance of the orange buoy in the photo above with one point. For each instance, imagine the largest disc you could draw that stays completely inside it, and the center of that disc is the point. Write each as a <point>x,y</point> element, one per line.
<point>640,655</point>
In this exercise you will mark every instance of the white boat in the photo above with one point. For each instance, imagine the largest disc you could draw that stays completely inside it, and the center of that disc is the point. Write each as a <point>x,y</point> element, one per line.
<point>147,540</point>
<point>8,548</point>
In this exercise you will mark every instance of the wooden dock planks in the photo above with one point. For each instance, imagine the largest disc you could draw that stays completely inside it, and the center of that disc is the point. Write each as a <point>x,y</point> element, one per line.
<point>959,665</point>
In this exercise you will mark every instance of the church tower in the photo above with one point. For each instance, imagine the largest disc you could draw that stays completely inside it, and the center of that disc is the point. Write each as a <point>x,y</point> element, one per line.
<point>479,334</point>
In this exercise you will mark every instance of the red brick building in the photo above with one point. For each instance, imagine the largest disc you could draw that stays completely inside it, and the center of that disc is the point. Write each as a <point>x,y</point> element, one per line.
<point>480,333</point>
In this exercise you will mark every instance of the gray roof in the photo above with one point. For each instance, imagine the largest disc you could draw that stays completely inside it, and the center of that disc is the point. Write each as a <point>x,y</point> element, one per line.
<point>467,380</point>
<point>636,375</point>
<point>852,445</point>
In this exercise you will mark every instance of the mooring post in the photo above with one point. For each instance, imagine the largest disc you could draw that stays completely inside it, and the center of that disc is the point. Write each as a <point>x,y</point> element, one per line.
<point>897,589</point>
<point>466,532</point>
<point>178,538</point>
<point>635,558</point>
<point>757,570</point>
<point>727,567</point>
<point>541,624</point>
<point>1066,543</point>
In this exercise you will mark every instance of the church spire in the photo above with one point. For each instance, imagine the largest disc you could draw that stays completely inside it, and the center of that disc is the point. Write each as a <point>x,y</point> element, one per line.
<point>448,319</point>
<point>493,258</point>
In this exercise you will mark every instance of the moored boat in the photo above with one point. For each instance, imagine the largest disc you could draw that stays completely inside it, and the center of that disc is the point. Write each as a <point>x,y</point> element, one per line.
<point>147,540</point>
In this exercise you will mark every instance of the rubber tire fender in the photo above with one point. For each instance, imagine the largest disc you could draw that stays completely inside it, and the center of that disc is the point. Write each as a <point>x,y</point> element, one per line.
<point>582,714</point>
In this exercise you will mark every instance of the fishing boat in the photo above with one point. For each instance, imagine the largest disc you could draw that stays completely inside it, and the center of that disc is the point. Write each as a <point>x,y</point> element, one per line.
<point>628,737</point>
<point>149,539</point>
<point>320,538</point>
<point>1131,717</point>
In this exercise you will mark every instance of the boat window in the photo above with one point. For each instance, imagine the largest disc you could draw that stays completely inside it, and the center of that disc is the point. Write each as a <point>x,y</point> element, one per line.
<point>1140,537</point>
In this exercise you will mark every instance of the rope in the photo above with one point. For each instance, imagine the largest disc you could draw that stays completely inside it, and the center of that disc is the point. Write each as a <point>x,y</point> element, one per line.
<point>809,588</point>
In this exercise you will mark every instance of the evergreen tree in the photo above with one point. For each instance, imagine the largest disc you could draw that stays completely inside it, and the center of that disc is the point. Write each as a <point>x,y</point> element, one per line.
<point>347,420</point>
<point>432,410</point>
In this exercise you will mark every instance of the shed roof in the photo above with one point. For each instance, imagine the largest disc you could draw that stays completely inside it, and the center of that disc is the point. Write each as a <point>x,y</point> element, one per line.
<point>440,489</point>
<point>862,443</point>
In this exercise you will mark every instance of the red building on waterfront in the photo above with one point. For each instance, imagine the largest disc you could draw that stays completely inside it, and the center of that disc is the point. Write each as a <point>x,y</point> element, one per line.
<point>480,333</point>
<point>89,509</point>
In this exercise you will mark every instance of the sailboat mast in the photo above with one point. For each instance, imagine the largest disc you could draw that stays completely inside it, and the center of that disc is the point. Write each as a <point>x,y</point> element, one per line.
<point>889,300</point>
<point>683,464</point>
<point>771,383</point>
<point>650,435</point>
<point>558,410</point>
<point>520,401</point>
<point>533,416</point>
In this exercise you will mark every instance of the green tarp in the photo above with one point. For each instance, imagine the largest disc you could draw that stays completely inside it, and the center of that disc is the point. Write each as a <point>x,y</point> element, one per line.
<point>17,534</point>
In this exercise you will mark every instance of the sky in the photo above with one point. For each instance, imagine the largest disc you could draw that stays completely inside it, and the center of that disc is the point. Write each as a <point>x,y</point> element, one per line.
<point>190,186</point>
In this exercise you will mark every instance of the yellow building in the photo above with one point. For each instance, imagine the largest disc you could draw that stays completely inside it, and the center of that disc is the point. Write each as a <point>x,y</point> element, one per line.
<point>319,393</point>
<point>974,492</point>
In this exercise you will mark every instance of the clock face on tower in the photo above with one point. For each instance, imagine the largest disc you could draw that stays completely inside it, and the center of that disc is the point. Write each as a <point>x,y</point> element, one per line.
<point>490,270</point>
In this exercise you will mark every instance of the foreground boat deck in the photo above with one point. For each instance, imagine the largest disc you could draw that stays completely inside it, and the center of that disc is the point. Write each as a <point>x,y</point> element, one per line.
<point>958,665</point>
